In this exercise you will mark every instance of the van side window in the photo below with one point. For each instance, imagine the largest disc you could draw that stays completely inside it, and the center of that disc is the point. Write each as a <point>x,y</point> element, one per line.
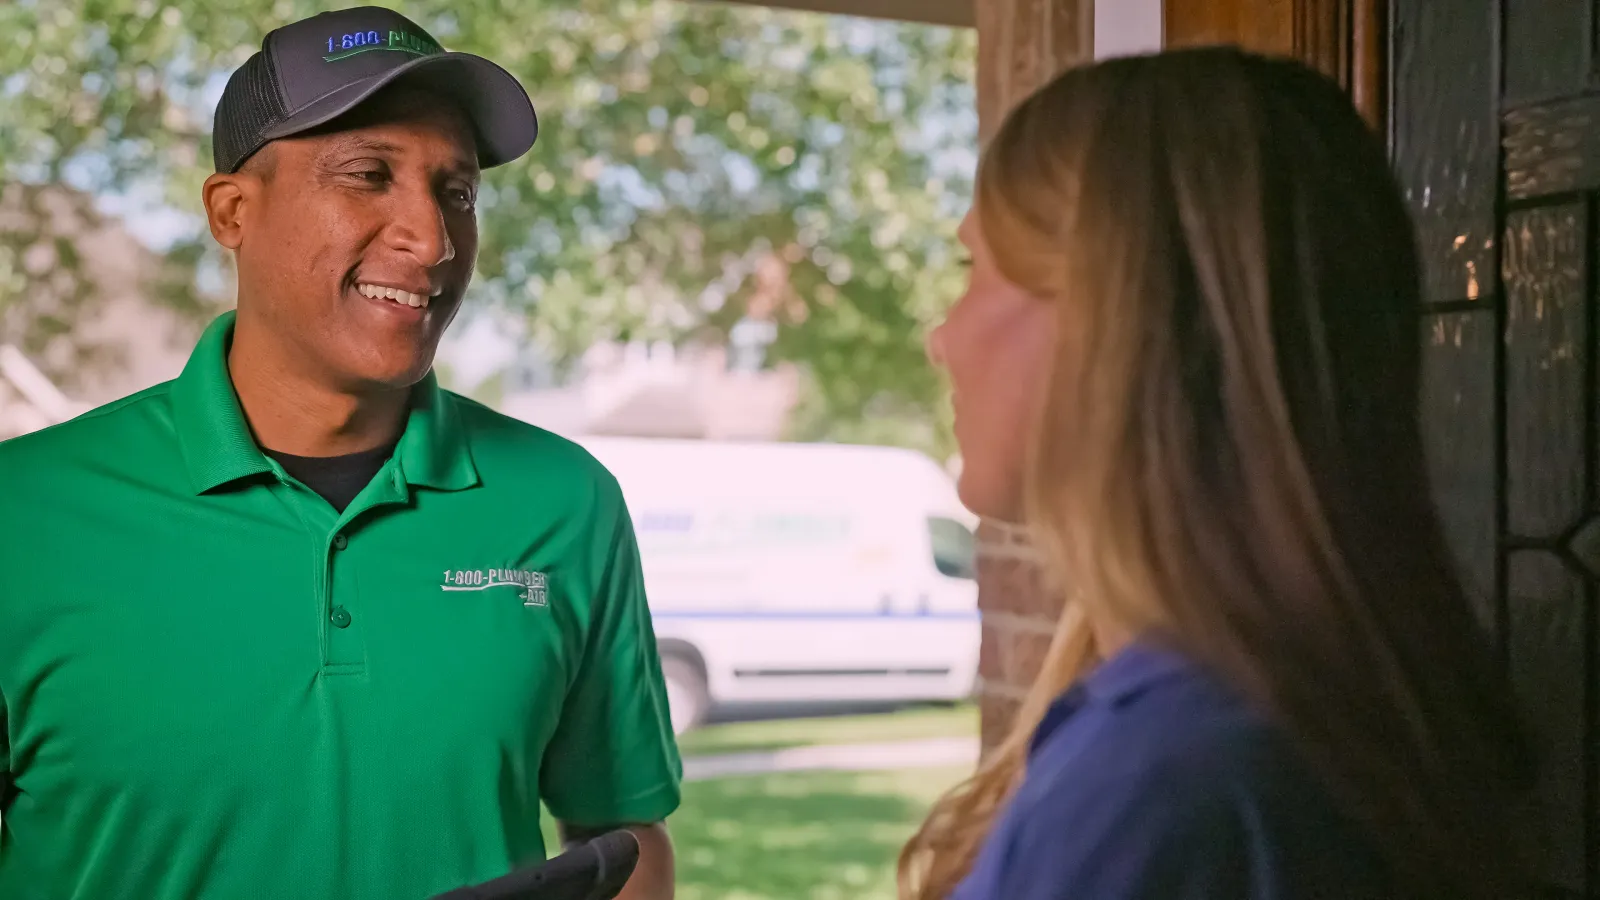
<point>955,552</point>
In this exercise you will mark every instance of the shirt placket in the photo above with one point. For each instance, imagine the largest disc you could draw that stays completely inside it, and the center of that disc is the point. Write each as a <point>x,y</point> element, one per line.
<point>341,640</point>
<point>345,618</point>
<point>344,644</point>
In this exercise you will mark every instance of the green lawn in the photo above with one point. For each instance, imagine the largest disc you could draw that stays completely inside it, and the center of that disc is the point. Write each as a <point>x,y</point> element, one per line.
<point>905,725</point>
<point>800,835</point>
<point>806,835</point>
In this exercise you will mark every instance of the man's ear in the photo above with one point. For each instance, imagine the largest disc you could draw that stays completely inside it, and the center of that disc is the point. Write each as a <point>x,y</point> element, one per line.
<point>225,197</point>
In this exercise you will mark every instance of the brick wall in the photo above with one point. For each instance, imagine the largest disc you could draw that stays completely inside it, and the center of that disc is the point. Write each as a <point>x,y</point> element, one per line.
<point>1019,616</point>
<point>1021,44</point>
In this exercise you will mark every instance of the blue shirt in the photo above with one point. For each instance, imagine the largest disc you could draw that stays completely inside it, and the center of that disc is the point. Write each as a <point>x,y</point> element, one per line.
<point>1152,779</point>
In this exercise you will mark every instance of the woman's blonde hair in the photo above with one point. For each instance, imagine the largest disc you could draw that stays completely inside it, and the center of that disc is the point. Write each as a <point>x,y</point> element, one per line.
<point>1228,454</point>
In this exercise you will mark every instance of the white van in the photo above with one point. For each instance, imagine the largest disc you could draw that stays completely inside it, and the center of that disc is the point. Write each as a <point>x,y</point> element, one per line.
<point>782,573</point>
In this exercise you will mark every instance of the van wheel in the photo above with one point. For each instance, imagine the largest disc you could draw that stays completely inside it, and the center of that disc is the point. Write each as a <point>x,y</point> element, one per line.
<point>688,698</point>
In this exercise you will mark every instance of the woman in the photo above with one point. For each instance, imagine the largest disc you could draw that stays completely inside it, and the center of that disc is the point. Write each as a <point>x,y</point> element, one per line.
<point>1188,359</point>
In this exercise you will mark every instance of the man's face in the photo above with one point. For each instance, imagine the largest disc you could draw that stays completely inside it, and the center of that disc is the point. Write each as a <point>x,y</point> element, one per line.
<point>356,244</point>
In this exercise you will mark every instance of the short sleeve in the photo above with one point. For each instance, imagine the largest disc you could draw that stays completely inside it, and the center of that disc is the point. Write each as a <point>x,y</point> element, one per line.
<point>613,759</point>
<point>5,755</point>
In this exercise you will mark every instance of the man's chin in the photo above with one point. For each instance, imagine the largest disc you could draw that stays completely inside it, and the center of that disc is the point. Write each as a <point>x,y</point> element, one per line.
<point>389,374</point>
<point>393,352</point>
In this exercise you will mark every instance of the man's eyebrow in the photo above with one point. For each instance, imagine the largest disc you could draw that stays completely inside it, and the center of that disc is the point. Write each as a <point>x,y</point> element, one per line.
<point>357,144</point>
<point>465,165</point>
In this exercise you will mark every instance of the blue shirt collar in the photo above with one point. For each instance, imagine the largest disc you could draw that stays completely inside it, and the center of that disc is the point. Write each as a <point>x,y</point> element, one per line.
<point>1134,669</point>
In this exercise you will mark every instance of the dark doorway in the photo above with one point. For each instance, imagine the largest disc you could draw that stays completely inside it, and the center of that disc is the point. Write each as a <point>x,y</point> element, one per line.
<point>1495,131</point>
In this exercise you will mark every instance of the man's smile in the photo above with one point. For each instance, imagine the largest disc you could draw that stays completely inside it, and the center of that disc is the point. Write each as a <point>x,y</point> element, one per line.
<point>400,296</point>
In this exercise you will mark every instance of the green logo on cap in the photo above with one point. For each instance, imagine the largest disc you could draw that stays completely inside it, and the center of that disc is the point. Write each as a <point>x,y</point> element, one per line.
<point>347,45</point>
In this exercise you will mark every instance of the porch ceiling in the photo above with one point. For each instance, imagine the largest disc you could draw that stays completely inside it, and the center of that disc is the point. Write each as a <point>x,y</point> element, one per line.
<point>934,12</point>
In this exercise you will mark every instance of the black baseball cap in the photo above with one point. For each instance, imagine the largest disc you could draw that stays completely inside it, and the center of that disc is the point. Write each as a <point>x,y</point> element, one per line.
<point>312,71</point>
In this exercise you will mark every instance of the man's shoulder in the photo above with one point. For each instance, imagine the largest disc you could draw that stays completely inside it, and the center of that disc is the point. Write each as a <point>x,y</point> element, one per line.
<point>504,447</point>
<point>101,430</point>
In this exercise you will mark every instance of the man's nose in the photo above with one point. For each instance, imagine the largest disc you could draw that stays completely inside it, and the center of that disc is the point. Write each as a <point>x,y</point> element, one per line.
<point>419,228</point>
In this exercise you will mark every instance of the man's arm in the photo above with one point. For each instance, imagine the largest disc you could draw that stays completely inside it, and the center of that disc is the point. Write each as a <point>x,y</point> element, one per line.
<point>653,878</point>
<point>613,757</point>
<point>6,786</point>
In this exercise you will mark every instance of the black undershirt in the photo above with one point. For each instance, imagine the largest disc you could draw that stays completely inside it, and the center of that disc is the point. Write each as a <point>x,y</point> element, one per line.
<point>337,479</point>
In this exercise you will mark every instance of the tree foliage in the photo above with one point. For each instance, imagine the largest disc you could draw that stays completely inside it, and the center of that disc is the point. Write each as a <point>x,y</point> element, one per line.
<point>698,164</point>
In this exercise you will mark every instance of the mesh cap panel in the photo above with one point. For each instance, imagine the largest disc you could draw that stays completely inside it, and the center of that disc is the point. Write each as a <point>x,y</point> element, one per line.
<point>251,103</point>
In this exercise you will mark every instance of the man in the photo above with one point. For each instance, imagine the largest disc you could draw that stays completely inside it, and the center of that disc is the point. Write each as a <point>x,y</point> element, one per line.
<point>299,623</point>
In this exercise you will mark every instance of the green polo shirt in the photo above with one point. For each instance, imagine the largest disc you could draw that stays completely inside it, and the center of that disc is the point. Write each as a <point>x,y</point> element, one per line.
<point>213,685</point>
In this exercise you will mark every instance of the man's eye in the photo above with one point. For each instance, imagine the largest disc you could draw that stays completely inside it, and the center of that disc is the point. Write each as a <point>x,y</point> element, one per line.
<point>461,198</point>
<point>372,176</point>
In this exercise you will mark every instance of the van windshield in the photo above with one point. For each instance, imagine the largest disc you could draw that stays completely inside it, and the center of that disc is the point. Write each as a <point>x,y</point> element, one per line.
<point>955,551</point>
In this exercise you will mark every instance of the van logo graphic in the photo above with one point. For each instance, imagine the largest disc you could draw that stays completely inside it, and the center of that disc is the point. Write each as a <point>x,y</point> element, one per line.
<point>531,586</point>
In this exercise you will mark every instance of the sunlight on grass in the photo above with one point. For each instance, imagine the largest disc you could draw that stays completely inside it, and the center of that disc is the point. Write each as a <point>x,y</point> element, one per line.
<point>905,725</point>
<point>800,835</point>
<point>821,835</point>
<point>797,835</point>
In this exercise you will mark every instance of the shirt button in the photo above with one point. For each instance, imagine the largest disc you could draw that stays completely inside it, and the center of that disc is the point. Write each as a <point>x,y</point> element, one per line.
<point>340,617</point>
<point>340,541</point>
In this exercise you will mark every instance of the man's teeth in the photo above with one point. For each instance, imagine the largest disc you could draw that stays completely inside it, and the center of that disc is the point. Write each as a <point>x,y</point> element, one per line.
<point>404,298</point>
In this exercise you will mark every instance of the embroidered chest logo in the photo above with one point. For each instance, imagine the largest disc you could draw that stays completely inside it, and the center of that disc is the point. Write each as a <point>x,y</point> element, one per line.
<point>531,586</point>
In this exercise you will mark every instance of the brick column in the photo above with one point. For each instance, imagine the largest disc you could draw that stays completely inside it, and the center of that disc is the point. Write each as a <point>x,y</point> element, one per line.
<point>1019,616</point>
<point>1021,45</point>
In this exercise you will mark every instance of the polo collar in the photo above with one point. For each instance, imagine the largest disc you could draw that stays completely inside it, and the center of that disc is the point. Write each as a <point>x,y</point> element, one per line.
<point>218,447</point>
<point>1134,669</point>
<point>433,452</point>
<point>215,439</point>
<point>1138,666</point>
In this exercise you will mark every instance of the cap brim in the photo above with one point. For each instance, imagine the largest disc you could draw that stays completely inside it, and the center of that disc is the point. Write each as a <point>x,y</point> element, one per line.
<point>501,113</point>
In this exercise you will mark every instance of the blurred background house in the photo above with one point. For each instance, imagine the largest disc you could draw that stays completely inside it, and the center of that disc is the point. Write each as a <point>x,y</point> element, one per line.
<point>101,326</point>
<point>638,389</point>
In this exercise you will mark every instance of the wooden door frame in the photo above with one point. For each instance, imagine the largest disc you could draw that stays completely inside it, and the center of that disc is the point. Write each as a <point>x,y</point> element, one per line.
<point>1346,39</point>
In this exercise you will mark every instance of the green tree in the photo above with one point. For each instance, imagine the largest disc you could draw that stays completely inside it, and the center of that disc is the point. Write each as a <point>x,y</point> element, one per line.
<point>698,164</point>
